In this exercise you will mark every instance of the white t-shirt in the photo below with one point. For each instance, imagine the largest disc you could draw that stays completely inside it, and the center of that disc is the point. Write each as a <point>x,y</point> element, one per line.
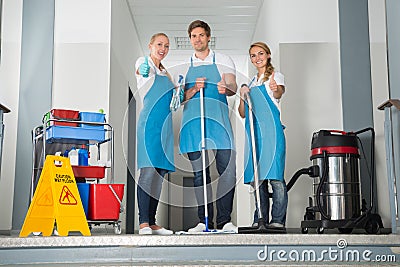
<point>224,64</point>
<point>278,77</point>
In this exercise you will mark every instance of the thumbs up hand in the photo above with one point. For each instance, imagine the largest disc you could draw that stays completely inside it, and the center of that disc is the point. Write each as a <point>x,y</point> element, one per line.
<point>144,68</point>
<point>272,83</point>
<point>222,89</point>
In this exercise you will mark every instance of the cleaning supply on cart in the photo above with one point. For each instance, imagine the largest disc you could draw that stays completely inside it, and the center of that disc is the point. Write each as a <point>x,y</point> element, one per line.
<point>57,162</point>
<point>83,156</point>
<point>73,156</point>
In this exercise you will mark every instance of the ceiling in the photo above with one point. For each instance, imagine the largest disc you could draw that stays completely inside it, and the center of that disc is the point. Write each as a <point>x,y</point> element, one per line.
<point>232,22</point>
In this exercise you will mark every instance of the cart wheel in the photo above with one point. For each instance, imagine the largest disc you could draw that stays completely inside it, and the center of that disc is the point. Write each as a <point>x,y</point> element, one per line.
<point>304,230</point>
<point>372,226</point>
<point>320,230</point>
<point>117,229</point>
<point>345,230</point>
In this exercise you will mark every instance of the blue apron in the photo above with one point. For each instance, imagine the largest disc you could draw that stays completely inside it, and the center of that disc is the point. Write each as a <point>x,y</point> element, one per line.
<point>217,126</point>
<point>155,136</point>
<point>269,138</point>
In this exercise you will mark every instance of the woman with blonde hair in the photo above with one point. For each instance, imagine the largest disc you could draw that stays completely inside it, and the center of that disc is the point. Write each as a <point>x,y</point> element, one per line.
<point>155,144</point>
<point>265,91</point>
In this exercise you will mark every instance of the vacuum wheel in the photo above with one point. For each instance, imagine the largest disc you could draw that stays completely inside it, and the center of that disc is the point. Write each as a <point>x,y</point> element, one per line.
<point>372,226</point>
<point>304,230</point>
<point>320,230</point>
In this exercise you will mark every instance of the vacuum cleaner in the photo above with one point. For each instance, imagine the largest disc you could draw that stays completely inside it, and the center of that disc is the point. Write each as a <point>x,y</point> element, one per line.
<point>337,200</point>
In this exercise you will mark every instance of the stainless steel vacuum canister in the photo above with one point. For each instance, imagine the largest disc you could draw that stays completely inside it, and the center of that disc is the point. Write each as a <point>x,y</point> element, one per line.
<point>337,189</point>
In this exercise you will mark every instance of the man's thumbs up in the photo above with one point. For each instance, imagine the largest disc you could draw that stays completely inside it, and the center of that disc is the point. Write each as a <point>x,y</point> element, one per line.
<point>222,85</point>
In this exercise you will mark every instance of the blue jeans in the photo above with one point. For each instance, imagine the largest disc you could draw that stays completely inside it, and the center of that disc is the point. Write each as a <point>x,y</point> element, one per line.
<point>279,201</point>
<point>226,167</point>
<point>148,193</point>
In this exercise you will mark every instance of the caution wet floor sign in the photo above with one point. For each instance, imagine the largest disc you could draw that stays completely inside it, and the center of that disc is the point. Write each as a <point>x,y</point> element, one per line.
<point>56,200</point>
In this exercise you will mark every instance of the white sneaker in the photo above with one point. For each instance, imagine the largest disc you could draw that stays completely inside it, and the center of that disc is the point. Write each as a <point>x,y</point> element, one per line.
<point>230,227</point>
<point>162,231</point>
<point>145,231</point>
<point>201,227</point>
<point>276,225</point>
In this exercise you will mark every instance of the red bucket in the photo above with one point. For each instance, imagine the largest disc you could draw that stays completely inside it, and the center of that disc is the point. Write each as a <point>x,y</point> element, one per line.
<point>103,203</point>
<point>64,114</point>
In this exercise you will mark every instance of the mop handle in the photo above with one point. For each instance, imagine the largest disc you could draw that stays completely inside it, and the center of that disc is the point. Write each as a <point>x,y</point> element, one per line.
<point>253,150</point>
<point>203,159</point>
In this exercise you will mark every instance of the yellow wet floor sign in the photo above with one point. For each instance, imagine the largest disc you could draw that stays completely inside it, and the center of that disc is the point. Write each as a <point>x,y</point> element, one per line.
<point>57,200</point>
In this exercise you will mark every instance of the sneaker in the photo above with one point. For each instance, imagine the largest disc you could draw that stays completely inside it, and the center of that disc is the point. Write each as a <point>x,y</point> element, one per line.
<point>145,231</point>
<point>162,231</point>
<point>276,225</point>
<point>230,227</point>
<point>201,227</point>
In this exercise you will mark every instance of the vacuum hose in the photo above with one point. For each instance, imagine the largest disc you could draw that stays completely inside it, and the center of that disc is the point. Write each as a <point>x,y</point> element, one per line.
<point>325,170</point>
<point>312,171</point>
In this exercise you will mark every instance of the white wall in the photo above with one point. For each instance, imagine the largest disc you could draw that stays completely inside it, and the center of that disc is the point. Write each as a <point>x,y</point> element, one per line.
<point>81,55</point>
<point>9,96</point>
<point>93,65</point>
<point>125,49</point>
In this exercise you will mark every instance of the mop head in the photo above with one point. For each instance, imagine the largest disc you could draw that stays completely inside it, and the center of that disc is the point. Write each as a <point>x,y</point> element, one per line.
<point>209,232</point>
<point>261,228</point>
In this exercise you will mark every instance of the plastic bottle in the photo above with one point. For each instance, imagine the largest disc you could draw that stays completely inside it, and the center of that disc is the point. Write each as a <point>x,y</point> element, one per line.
<point>73,157</point>
<point>57,162</point>
<point>83,156</point>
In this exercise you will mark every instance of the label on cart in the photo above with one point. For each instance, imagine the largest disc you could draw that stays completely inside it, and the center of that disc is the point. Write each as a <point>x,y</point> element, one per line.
<point>56,200</point>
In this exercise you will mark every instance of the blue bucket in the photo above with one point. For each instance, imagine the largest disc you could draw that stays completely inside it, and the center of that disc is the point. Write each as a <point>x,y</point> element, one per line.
<point>92,117</point>
<point>83,189</point>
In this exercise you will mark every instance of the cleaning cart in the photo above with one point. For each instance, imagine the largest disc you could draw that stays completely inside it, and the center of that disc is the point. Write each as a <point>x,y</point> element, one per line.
<point>66,130</point>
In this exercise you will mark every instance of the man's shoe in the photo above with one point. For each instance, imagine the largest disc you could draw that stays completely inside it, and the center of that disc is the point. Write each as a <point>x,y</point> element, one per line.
<point>201,227</point>
<point>145,231</point>
<point>162,231</point>
<point>276,225</point>
<point>230,227</point>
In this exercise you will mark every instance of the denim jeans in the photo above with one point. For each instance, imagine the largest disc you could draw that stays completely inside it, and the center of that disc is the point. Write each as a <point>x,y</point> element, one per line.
<point>226,168</point>
<point>279,201</point>
<point>148,193</point>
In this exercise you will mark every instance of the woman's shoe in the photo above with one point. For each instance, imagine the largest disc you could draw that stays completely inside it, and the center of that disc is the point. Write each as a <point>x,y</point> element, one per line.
<point>146,231</point>
<point>162,231</point>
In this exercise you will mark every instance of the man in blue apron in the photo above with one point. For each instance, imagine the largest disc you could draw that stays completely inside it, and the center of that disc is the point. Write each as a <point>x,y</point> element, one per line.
<point>216,74</point>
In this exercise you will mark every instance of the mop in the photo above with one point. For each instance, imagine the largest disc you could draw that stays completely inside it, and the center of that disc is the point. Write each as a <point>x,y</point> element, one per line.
<point>261,227</point>
<point>203,158</point>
